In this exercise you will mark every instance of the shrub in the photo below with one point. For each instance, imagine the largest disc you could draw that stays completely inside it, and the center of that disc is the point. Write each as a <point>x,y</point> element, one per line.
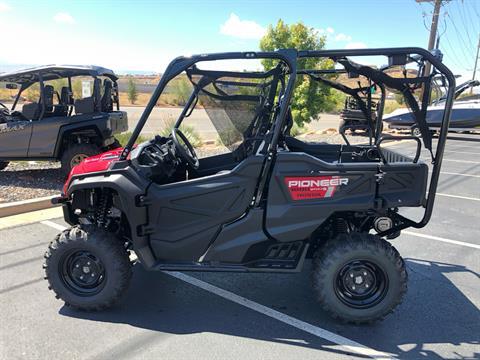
<point>124,137</point>
<point>390,106</point>
<point>181,89</point>
<point>297,130</point>
<point>132,91</point>
<point>189,131</point>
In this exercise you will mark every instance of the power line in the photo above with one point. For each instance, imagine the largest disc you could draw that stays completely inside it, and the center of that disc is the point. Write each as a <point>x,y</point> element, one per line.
<point>460,38</point>
<point>460,10</point>
<point>471,14</point>
<point>454,52</point>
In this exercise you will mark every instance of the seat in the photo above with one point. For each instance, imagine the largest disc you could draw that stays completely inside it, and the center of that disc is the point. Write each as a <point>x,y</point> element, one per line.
<point>90,104</point>
<point>106,102</point>
<point>31,111</point>
<point>34,110</point>
<point>65,102</point>
<point>48,92</point>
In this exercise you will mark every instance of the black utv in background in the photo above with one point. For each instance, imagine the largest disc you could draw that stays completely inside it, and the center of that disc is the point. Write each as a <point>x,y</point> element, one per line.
<point>56,125</point>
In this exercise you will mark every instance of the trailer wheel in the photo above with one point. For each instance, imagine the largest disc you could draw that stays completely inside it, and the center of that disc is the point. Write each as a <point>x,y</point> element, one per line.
<point>359,278</point>
<point>416,132</point>
<point>87,268</point>
<point>75,154</point>
<point>3,164</point>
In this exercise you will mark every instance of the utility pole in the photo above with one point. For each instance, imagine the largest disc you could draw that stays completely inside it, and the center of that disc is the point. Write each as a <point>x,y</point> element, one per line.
<point>433,29</point>
<point>476,63</point>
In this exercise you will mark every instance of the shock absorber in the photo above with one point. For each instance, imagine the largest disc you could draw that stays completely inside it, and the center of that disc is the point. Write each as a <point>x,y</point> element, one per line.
<point>341,226</point>
<point>102,210</point>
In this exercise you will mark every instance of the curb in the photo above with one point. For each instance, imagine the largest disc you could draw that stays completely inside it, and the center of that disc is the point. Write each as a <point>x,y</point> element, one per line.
<point>20,207</point>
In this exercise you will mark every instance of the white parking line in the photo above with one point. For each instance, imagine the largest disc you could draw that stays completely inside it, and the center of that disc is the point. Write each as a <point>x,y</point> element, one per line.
<point>462,161</point>
<point>459,197</point>
<point>345,343</point>
<point>448,241</point>
<point>462,152</point>
<point>53,225</point>
<point>458,174</point>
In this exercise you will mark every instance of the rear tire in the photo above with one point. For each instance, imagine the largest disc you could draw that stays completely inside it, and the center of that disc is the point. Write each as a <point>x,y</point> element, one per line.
<point>88,268</point>
<point>3,165</point>
<point>75,154</point>
<point>359,278</point>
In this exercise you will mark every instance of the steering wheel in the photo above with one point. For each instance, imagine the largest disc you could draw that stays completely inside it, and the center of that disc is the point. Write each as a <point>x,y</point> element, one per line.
<point>186,152</point>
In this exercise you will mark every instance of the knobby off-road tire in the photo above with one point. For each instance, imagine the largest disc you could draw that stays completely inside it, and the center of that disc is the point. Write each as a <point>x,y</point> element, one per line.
<point>87,268</point>
<point>3,165</point>
<point>75,153</point>
<point>359,278</point>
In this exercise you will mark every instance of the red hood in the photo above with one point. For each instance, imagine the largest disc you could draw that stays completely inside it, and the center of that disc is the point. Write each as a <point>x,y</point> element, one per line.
<point>94,163</point>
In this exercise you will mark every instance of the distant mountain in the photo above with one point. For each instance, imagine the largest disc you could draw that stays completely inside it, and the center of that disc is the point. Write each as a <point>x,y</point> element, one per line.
<point>14,67</point>
<point>136,72</point>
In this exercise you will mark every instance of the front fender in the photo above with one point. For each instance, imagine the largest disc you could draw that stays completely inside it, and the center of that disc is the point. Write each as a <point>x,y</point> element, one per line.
<point>129,186</point>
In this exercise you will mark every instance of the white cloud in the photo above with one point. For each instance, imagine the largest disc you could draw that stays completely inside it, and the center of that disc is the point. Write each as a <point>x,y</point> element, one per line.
<point>343,37</point>
<point>4,7</point>
<point>243,29</point>
<point>327,31</point>
<point>64,18</point>
<point>356,45</point>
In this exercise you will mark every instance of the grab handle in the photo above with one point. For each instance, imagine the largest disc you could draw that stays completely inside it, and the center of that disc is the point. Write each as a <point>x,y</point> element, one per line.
<point>399,138</point>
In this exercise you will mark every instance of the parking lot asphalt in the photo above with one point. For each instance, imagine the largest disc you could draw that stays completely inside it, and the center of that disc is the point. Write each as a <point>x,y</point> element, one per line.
<point>261,316</point>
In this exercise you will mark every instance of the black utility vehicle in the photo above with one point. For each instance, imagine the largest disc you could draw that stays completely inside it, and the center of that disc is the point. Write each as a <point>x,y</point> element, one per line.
<point>353,118</point>
<point>55,125</point>
<point>267,204</point>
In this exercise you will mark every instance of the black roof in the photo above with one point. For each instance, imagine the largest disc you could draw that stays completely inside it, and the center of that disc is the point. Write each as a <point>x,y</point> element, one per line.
<point>51,72</point>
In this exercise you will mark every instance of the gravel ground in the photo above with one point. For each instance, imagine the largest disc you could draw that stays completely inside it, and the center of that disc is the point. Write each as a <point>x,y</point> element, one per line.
<point>29,179</point>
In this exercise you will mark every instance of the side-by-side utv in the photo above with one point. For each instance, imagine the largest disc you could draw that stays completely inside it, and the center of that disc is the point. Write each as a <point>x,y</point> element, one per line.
<point>268,202</point>
<point>53,123</point>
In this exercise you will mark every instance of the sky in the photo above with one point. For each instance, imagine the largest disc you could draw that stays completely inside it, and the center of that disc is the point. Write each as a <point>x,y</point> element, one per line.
<point>145,35</point>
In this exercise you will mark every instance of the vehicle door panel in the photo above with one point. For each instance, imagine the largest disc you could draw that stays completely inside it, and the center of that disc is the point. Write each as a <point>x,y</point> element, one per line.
<point>44,136</point>
<point>186,216</point>
<point>15,138</point>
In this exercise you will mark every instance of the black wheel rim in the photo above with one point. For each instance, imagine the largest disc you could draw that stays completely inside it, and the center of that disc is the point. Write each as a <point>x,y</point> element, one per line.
<point>361,284</point>
<point>82,273</point>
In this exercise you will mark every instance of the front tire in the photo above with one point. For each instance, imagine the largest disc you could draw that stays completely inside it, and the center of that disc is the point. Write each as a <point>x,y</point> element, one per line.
<point>75,154</point>
<point>88,268</point>
<point>3,165</point>
<point>359,278</point>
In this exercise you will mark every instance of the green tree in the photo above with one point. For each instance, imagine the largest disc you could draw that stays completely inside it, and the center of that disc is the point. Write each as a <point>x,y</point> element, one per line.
<point>132,91</point>
<point>399,98</point>
<point>309,97</point>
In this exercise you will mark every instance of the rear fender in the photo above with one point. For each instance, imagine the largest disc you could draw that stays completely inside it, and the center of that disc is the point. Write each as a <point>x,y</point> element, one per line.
<point>97,126</point>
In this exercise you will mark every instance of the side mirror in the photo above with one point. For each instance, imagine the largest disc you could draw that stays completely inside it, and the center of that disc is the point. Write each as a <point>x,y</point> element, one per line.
<point>11,86</point>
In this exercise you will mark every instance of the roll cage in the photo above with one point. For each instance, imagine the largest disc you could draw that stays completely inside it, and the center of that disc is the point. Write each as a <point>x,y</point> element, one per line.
<point>406,85</point>
<point>27,77</point>
<point>400,57</point>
